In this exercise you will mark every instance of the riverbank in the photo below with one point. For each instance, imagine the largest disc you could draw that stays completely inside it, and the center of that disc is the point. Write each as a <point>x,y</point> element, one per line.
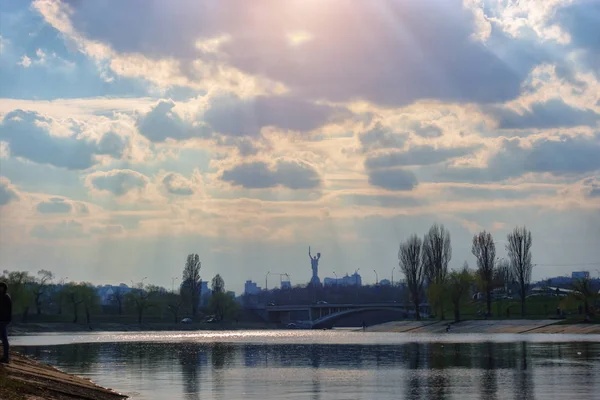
<point>26,379</point>
<point>48,327</point>
<point>487,326</point>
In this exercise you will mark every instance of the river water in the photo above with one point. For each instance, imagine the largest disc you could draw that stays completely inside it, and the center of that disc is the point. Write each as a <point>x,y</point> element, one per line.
<point>327,364</point>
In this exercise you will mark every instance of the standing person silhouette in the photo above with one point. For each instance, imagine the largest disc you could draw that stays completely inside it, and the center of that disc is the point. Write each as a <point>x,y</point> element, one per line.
<point>5,319</point>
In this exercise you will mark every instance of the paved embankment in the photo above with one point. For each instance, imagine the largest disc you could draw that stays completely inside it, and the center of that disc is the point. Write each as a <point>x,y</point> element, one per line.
<point>487,326</point>
<point>26,379</point>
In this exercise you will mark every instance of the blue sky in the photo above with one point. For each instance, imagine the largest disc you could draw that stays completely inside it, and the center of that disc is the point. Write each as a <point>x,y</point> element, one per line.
<point>247,131</point>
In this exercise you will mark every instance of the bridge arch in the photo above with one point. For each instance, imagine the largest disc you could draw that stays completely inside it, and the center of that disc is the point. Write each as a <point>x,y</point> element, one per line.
<point>396,313</point>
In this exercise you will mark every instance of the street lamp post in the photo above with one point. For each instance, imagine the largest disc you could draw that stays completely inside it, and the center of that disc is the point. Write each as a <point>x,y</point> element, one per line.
<point>376,278</point>
<point>266,280</point>
<point>173,279</point>
<point>393,269</point>
<point>336,278</point>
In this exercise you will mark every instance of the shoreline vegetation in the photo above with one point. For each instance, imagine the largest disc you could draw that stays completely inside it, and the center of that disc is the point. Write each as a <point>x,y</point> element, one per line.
<point>26,379</point>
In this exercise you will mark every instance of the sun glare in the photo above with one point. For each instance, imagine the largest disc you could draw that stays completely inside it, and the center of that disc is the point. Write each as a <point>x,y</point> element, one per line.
<point>298,37</point>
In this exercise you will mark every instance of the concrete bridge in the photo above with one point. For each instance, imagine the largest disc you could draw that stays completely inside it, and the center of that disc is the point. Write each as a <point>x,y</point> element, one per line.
<point>325,315</point>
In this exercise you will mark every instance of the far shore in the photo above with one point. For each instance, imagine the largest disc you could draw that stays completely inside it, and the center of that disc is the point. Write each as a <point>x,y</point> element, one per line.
<point>405,326</point>
<point>515,326</point>
<point>50,327</point>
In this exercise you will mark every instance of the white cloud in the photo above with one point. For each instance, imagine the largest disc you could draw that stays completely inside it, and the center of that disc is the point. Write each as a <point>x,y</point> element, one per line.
<point>25,62</point>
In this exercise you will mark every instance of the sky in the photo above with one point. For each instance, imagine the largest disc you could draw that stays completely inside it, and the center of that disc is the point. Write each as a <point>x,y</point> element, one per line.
<point>134,133</point>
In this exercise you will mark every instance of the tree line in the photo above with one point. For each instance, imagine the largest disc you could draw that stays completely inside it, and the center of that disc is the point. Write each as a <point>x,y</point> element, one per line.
<point>424,262</point>
<point>41,294</point>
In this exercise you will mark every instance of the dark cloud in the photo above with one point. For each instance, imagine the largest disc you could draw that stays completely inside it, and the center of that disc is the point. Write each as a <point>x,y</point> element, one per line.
<point>428,130</point>
<point>582,21</point>
<point>7,194</point>
<point>565,157</point>
<point>162,123</point>
<point>593,187</point>
<point>417,155</point>
<point>112,144</point>
<point>551,114</point>
<point>228,114</point>
<point>384,51</point>
<point>286,173</point>
<point>175,183</point>
<point>393,179</point>
<point>380,137</point>
<point>64,230</point>
<point>28,136</point>
<point>118,182</point>
<point>246,146</point>
<point>55,205</point>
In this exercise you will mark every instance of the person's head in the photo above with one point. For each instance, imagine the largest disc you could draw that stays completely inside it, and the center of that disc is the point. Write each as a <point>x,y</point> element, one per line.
<point>3,288</point>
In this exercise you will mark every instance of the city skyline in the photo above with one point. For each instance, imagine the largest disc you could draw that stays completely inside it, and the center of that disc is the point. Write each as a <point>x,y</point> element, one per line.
<point>130,139</point>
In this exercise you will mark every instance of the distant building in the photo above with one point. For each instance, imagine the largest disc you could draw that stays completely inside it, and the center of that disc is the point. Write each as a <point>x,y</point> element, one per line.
<point>580,275</point>
<point>348,280</point>
<point>286,285</point>
<point>204,289</point>
<point>251,288</point>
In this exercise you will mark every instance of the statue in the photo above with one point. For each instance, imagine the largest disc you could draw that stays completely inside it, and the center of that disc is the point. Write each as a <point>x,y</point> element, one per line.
<point>314,263</point>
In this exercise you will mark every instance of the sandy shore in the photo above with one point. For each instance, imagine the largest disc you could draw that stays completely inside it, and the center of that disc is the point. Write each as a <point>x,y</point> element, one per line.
<point>489,326</point>
<point>26,379</point>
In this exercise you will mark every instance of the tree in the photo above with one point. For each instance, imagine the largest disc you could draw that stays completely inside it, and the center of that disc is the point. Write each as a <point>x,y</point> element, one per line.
<point>140,299</point>
<point>174,303</point>
<point>41,284</point>
<point>458,285</point>
<point>218,284</point>
<point>484,250</point>
<point>409,257</point>
<point>223,306</point>
<point>19,283</point>
<point>436,254</point>
<point>117,298</point>
<point>73,294</point>
<point>582,291</point>
<point>89,299</point>
<point>519,255</point>
<point>503,274</point>
<point>192,282</point>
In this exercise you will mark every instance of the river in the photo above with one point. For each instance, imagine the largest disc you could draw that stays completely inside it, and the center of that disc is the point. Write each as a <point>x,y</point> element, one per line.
<point>334,364</point>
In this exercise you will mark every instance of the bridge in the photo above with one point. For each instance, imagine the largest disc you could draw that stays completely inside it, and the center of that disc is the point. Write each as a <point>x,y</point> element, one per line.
<point>325,315</point>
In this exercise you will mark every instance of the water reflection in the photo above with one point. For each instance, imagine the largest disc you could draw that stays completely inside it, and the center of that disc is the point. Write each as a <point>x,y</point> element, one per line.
<point>484,370</point>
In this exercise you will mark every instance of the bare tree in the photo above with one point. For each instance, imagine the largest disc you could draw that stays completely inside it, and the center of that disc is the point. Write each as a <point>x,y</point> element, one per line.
<point>140,298</point>
<point>39,289</point>
<point>519,255</point>
<point>409,256</point>
<point>436,254</point>
<point>484,251</point>
<point>117,297</point>
<point>174,305</point>
<point>192,282</point>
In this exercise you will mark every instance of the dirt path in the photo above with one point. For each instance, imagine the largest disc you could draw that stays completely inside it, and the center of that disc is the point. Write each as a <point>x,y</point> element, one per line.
<point>26,379</point>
